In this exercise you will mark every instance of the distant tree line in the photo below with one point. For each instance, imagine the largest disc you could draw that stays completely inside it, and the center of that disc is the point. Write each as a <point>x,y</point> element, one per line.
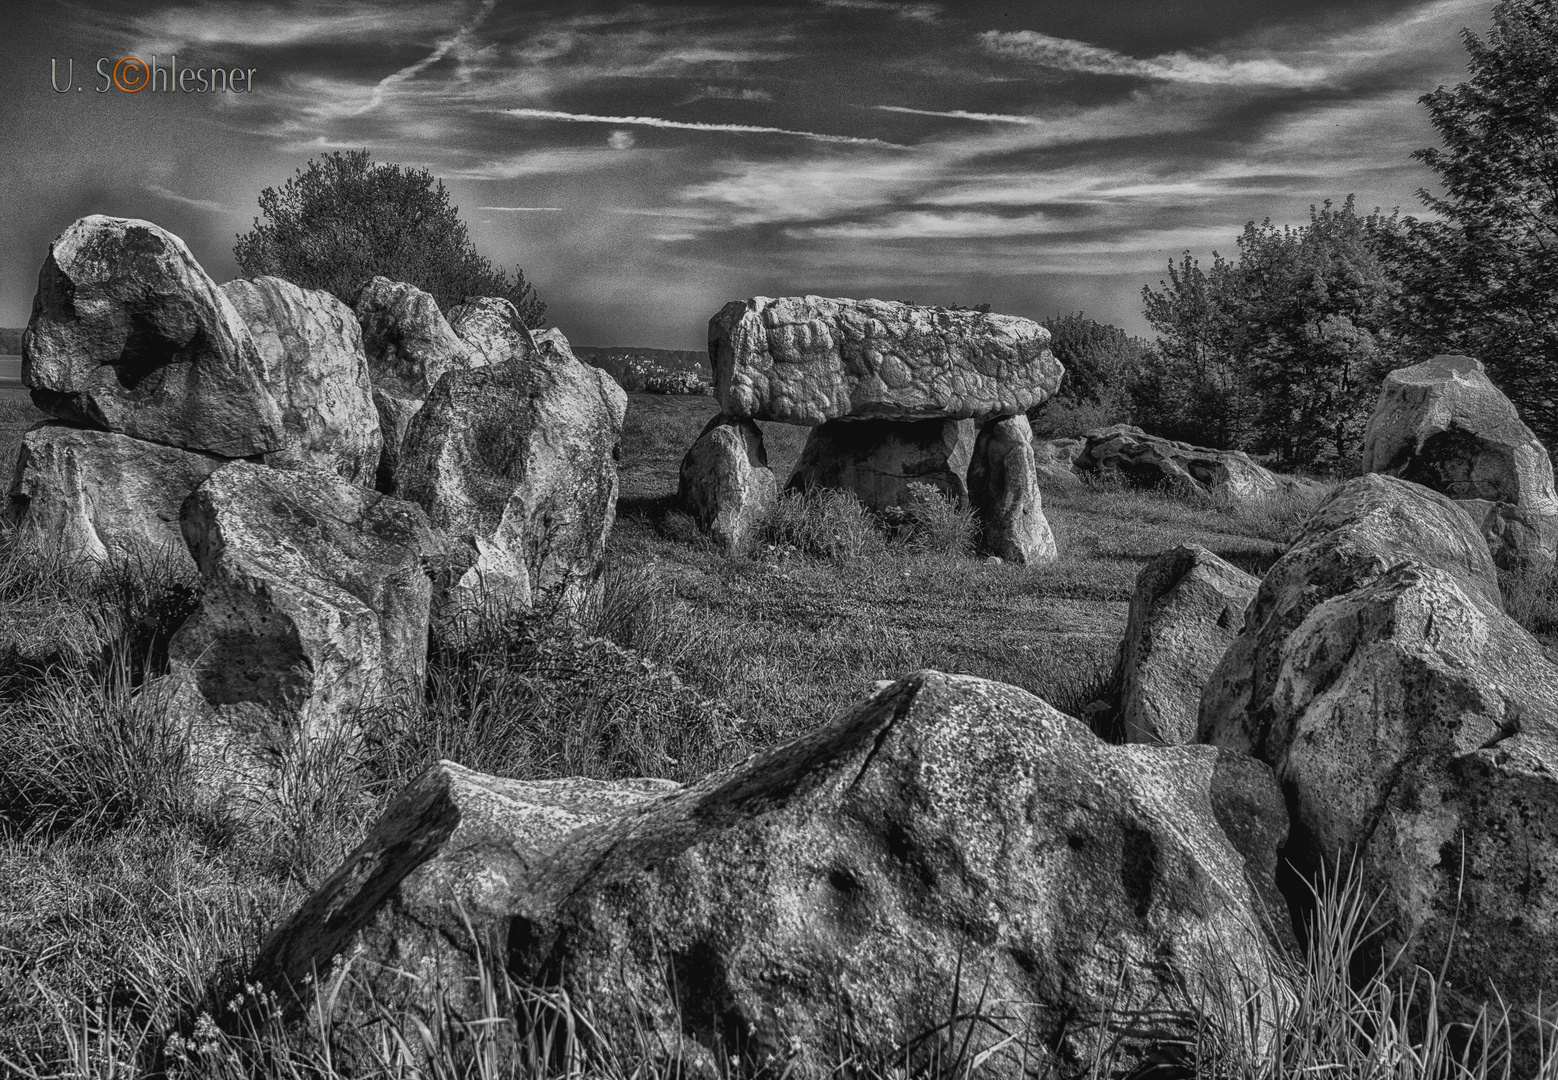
<point>1280,349</point>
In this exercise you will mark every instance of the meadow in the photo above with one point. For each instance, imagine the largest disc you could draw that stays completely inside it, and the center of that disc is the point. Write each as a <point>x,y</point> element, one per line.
<point>130,910</point>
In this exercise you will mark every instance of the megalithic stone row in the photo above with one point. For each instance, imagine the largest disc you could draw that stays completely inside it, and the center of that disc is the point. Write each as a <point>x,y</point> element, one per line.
<point>312,346</point>
<point>1003,487</point>
<point>810,359</point>
<point>128,334</point>
<point>1443,424</point>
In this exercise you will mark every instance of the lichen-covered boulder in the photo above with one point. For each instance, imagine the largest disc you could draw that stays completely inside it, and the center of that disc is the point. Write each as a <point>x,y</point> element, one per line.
<point>725,482</point>
<point>877,460</point>
<point>944,829</point>
<point>1368,525</point>
<point>84,494</point>
<point>1444,425</point>
<point>129,335</point>
<point>492,328</point>
<point>314,605</point>
<point>312,345</point>
<point>517,462</point>
<point>1187,608</point>
<point>1003,487</point>
<point>1052,463</point>
<point>810,359</point>
<point>1140,460</point>
<point>409,346</point>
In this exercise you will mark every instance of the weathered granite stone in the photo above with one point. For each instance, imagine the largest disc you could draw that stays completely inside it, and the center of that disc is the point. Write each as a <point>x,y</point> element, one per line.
<point>877,460</point>
<point>810,359</point>
<point>79,493</point>
<point>725,482</point>
<point>943,825</point>
<point>128,334</point>
<point>492,328</point>
<point>1141,460</point>
<point>1003,488</point>
<point>312,345</point>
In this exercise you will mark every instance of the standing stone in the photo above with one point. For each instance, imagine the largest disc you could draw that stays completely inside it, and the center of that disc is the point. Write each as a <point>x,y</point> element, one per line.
<point>1187,608</point>
<point>1444,425</point>
<point>1003,487</point>
<point>79,493</point>
<point>811,359</point>
<point>409,346</point>
<point>877,460</point>
<point>314,605</point>
<point>492,328</point>
<point>943,825</point>
<point>128,334</point>
<point>518,461</point>
<point>312,345</point>
<point>726,484</point>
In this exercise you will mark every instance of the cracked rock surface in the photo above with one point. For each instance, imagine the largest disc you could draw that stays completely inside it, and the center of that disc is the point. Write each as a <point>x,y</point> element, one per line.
<point>942,823</point>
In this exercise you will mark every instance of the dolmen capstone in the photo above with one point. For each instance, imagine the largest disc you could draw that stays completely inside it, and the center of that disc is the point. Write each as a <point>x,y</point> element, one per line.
<point>1414,728</point>
<point>895,394</point>
<point>1444,425</point>
<point>943,831</point>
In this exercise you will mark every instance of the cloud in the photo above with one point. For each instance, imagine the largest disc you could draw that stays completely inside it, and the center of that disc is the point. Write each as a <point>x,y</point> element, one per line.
<point>733,93</point>
<point>200,204</point>
<point>960,114</point>
<point>690,125</point>
<point>522,209</point>
<point>441,50</point>
<point>915,12</point>
<point>269,25</point>
<point>1067,55</point>
<point>621,140</point>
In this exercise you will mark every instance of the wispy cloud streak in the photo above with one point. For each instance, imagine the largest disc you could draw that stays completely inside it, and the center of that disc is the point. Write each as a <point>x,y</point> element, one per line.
<point>962,114</point>
<point>1067,55</point>
<point>693,125</point>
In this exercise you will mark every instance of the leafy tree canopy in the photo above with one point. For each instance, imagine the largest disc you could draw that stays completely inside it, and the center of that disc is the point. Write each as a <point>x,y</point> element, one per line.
<point>345,218</point>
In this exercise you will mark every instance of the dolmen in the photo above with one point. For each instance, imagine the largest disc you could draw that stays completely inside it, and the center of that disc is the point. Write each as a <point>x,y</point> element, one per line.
<point>894,394</point>
<point>1443,424</point>
<point>343,480</point>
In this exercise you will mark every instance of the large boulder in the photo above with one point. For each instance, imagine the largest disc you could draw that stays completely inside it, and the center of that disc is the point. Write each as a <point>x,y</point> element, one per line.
<point>1367,526</point>
<point>944,831</point>
<point>1052,463</point>
<point>1187,608</point>
<point>409,346</point>
<point>128,334</point>
<point>1444,425</point>
<point>79,493</point>
<point>312,345</point>
<point>518,462</point>
<point>877,460</point>
<point>1137,459</point>
<point>810,359</point>
<point>492,328</point>
<point>725,482</point>
<point>314,606</point>
<point>1003,488</point>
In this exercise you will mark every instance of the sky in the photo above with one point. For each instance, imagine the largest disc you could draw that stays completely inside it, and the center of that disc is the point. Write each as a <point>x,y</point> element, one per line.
<point>646,163</point>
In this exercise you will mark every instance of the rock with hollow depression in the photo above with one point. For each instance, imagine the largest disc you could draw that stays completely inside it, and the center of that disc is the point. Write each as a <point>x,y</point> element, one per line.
<point>810,359</point>
<point>128,334</point>
<point>946,831</point>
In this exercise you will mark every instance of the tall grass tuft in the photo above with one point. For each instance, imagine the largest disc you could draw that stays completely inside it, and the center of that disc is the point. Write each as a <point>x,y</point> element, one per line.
<point>1531,597</point>
<point>934,523</point>
<point>825,524</point>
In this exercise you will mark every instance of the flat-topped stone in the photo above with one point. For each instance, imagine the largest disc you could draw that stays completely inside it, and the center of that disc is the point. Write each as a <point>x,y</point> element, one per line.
<point>809,359</point>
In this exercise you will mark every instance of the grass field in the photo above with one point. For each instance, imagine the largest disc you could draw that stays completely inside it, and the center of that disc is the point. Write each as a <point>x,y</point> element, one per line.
<point>129,910</point>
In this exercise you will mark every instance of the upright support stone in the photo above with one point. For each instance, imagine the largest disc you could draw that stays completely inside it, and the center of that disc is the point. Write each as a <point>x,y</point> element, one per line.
<point>1003,487</point>
<point>725,483</point>
<point>877,460</point>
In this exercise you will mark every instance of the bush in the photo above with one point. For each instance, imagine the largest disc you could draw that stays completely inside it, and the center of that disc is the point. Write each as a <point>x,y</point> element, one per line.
<point>933,523</point>
<point>1531,598</point>
<point>825,524</point>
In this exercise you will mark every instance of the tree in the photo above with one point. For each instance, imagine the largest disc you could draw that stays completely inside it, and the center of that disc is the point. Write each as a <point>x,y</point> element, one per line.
<point>1483,279</point>
<point>1101,361</point>
<point>1190,387</point>
<point>345,218</point>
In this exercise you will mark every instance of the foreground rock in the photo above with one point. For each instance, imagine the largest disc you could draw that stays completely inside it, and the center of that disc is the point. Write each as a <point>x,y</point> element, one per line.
<point>129,335</point>
<point>1003,488</point>
<point>725,482</point>
<point>877,460</point>
<point>409,346</point>
<point>943,825</point>
<point>312,345</point>
<point>1140,460</point>
<point>492,328</point>
<point>1444,425</point>
<point>1414,724</point>
<point>314,605</point>
<point>1187,608</point>
<point>810,359</point>
<point>518,462</point>
<point>78,493</point>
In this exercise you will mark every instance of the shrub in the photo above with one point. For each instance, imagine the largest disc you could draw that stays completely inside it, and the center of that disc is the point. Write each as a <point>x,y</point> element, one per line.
<point>1531,598</point>
<point>933,523</point>
<point>823,523</point>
